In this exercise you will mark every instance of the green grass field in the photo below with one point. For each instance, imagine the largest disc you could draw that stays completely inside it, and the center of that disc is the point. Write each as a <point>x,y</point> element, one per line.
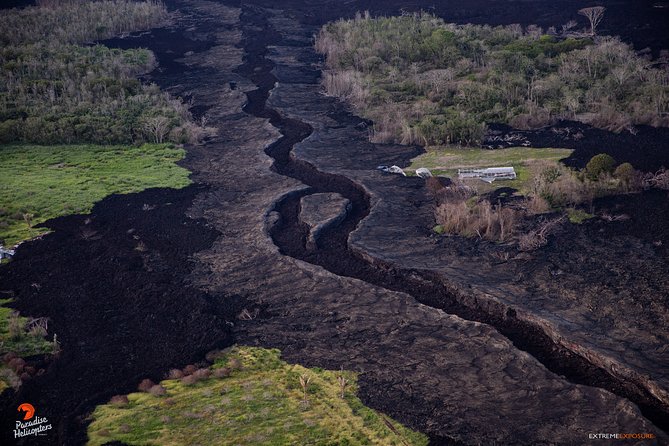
<point>260,403</point>
<point>447,160</point>
<point>52,181</point>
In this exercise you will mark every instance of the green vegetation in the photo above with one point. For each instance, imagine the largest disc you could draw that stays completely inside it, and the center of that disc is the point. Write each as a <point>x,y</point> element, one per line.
<point>22,337</point>
<point>578,216</point>
<point>447,160</point>
<point>55,91</point>
<point>425,81</point>
<point>42,182</point>
<point>252,398</point>
<point>548,187</point>
<point>599,165</point>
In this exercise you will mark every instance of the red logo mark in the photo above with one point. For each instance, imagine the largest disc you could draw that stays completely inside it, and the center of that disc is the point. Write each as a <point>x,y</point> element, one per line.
<point>28,409</point>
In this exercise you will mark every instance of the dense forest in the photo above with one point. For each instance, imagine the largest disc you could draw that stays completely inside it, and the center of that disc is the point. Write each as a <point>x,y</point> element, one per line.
<point>57,88</point>
<point>426,81</point>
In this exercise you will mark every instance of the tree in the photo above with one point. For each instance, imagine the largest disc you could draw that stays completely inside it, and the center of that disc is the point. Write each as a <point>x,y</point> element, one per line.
<point>156,128</point>
<point>594,15</point>
<point>628,176</point>
<point>600,164</point>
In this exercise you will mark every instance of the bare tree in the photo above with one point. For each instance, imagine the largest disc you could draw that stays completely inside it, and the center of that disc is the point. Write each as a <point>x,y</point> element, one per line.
<point>157,128</point>
<point>569,26</point>
<point>594,15</point>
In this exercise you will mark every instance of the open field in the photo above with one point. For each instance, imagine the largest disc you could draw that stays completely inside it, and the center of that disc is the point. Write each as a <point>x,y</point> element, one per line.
<point>261,402</point>
<point>43,182</point>
<point>446,160</point>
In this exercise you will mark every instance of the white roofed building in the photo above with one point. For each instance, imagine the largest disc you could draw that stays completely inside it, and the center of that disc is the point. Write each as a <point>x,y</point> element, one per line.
<point>489,174</point>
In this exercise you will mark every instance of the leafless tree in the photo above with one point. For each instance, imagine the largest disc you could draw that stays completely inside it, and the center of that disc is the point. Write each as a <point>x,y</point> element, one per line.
<point>569,26</point>
<point>594,15</point>
<point>304,382</point>
<point>157,128</point>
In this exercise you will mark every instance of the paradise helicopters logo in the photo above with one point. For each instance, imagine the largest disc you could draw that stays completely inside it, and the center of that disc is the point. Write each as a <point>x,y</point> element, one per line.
<point>30,424</point>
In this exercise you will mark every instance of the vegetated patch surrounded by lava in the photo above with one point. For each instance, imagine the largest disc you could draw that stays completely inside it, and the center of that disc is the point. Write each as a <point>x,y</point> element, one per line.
<point>112,284</point>
<point>637,22</point>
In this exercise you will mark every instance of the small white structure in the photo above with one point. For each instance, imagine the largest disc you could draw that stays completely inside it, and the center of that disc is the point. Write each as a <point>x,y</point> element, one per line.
<point>392,169</point>
<point>423,173</point>
<point>488,175</point>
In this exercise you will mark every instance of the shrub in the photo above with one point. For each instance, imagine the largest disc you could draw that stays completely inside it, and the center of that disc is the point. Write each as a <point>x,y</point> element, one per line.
<point>625,171</point>
<point>222,372</point>
<point>538,237</point>
<point>158,390</point>
<point>202,374</point>
<point>481,219</point>
<point>214,355</point>
<point>17,364</point>
<point>433,186</point>
<point>235,364</point>
<point>189,380</point>
<point>659,179</point>
<point>630,179</point>
<point>189,369</point>
<point>175,374</point>
<point>145,385</point>
<point>119,400</point>
<point>15,326</point>
<point>599,165</point>
<point>578,216</point>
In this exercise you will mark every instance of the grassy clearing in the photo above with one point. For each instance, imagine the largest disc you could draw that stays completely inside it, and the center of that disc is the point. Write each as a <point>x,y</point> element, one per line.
<point>42,182</point>
<point>259,403</point>
<point>446,160</point>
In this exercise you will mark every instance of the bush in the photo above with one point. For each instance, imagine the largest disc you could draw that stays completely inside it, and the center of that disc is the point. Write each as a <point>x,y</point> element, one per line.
<point>189,380</point>
<point>433,186</point>
<point>222,372</point>
<point>599,165</point>
<point>175,374</point>
<point>145,385</point>
<point>16,326</point>
<point>119,400</point>
<point>482,219</point>
<point>157,390</point>
<point>189,369</point>
<point>630,178</point>
<point>202,374</point>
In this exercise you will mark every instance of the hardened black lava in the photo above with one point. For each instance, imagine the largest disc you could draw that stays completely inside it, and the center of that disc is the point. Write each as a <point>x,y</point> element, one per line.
<point>426,287</point>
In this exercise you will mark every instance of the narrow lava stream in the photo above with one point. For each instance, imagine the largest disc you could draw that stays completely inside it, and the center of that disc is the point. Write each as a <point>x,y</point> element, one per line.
<point>335,256</point>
